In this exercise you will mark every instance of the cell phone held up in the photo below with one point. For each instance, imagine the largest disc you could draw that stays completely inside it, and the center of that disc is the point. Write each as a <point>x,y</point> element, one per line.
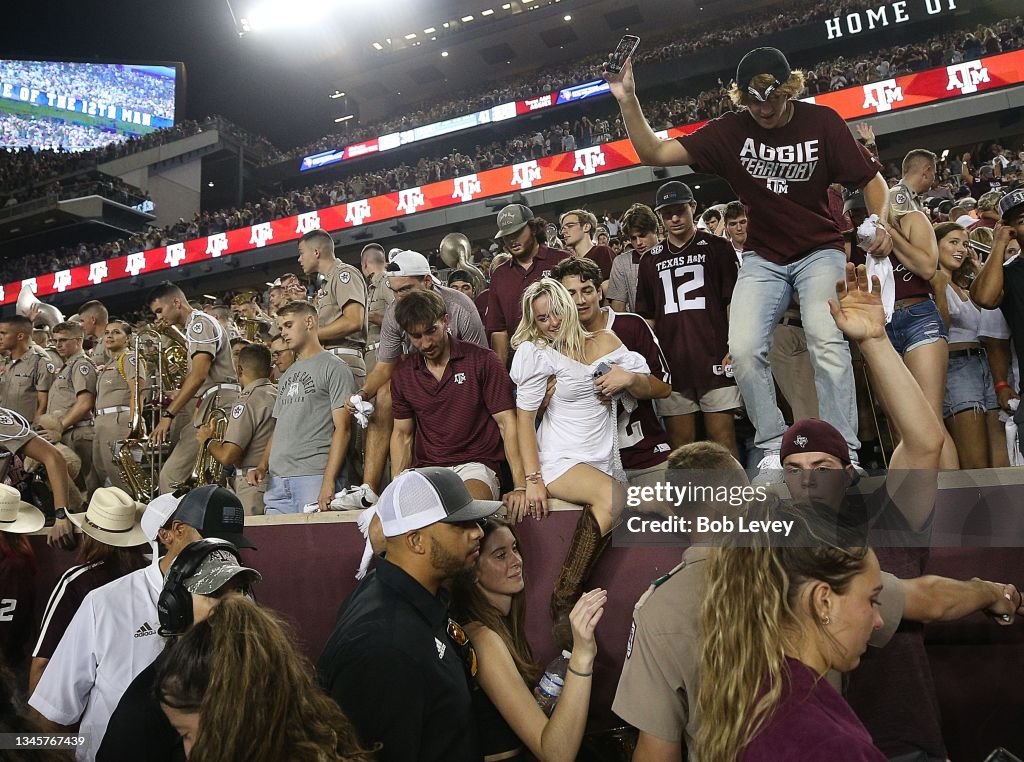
<point>602,369</point>
<point>626,47</point>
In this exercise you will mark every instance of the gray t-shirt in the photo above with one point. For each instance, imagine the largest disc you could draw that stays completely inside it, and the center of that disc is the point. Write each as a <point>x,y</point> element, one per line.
<point>308,393</point>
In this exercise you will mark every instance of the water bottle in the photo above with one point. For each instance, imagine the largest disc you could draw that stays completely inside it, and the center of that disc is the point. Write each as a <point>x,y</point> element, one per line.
<point>550,686</point>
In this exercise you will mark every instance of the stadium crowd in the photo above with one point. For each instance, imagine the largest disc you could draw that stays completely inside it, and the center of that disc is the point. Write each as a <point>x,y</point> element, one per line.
<point>585,358</point>
<point>568,135</point>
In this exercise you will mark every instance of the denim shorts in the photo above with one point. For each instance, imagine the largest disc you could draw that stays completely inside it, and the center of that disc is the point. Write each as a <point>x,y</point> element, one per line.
<point>968,386</point>
<point>915,326</point>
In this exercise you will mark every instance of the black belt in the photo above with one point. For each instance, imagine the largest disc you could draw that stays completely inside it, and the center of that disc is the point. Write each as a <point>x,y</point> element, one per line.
<point>972,352</point>
<point>795,322</point>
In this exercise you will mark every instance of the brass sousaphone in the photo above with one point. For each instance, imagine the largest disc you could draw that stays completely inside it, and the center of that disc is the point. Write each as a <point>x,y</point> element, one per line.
<point>48,315</point>
<point>455,252</point>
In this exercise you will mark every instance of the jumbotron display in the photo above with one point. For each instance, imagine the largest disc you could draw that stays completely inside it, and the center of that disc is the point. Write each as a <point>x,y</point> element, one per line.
<point>80,106</point>
<point>921,88</point>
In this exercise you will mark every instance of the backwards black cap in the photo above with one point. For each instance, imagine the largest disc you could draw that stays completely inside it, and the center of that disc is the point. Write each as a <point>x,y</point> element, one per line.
<point>769,61</point>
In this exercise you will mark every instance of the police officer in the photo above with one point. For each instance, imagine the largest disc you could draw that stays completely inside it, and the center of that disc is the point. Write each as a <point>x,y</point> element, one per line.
<point>70,403</point>
<point>379,296</point>
<point>26,381</point>
<point>250,426</point>
<point>117,397</point>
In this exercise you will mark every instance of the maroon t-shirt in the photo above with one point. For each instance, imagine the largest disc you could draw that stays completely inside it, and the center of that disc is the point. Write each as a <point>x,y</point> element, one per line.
<point>453,415</point>
<point>643,442</point>
<point>602,256</point>
<point>782,175</point>
<point>686,292</point>
<point>481,302</point>
<point>505,305</point>
<point>811,721</point>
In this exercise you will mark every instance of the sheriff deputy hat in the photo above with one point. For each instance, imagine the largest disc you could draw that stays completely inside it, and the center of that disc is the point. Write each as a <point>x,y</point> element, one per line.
<point>419,497</point>
<point>113,518</point>
<point>758,61</point>
<point>17,516</point>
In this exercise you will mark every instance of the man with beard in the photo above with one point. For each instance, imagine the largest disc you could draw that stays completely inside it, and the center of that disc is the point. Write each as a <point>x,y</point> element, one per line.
<point>521,234</point>
<point>452,404</point>
<point>397,664</point>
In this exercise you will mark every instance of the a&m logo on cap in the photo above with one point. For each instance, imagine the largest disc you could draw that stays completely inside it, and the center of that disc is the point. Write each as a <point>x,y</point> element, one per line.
<point>801,441</point>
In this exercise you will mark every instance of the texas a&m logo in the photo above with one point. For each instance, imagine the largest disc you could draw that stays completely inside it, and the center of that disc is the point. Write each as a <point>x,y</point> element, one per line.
<point>881,95</point>
<point>966,76</point>
<point>261,234</point>
<point>217,244</point>
<point>466,187</point>
<point>98,272</point>
<point>525,175</point>
<point>136,263</point>
<point>61,280</point>
<point>175,254</point>
<point>460,378</point>
<point>358,211</point>
<point>410,200</point>
<point>307,222</point>
<point>588,160</point>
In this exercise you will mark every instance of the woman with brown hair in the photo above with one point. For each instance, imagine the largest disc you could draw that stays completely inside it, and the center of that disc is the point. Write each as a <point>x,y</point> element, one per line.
<point>490,602</point>
<point>235,688</point>
<point>763,692</point>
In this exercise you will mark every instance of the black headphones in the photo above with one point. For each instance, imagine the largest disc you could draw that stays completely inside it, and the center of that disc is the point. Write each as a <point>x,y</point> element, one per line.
<point>174,606</point>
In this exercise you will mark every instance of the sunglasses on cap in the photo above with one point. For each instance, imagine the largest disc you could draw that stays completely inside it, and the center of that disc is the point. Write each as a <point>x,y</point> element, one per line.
<point>466,650</point>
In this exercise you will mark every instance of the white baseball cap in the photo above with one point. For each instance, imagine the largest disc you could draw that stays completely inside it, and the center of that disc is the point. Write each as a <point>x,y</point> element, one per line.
<point>420,497</point>
<point>158,512</point>
<point>408,264</point>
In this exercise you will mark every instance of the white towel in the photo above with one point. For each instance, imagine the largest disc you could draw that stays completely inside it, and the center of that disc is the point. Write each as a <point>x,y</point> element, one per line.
<point>363,522</point>
<point>881,267</point>
<point>363,410</point>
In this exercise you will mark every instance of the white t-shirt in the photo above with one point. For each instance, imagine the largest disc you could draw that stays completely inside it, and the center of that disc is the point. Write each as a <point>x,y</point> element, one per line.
<point>112,638</point>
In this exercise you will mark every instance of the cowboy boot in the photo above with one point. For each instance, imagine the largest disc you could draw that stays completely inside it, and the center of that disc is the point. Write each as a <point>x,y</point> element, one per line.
<point>585,548</point>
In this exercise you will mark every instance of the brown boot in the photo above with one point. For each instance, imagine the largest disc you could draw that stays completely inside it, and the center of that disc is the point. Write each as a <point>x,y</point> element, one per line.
<point>585,548</point>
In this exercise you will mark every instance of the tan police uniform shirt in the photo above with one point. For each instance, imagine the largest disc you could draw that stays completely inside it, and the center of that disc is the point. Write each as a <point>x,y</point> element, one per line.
<point>112,388</point>
<point>660,677</point>
<point>902,200</point>
<point>379,297</point>
<point>31,373</point>
<point>205,335</point>
<point>14,433</point>
<point>77,375</point>
<point>251,421</point>
<point>342,284</point>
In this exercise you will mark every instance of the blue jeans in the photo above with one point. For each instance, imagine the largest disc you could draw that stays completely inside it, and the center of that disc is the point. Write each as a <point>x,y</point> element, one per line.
<point>763,291</point>
<point>288,494</point>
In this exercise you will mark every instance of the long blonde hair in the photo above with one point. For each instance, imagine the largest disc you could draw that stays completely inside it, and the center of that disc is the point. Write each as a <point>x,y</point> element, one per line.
<point>572,337</point>
<point>744,646</point>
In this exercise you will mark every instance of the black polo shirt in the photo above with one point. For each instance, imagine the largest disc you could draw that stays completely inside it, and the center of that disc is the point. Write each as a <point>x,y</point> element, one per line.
<point>396,673</point>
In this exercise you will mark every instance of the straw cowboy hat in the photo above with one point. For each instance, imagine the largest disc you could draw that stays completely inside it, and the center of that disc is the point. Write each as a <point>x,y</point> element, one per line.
<point>113,518</point>
<point>16,515</point>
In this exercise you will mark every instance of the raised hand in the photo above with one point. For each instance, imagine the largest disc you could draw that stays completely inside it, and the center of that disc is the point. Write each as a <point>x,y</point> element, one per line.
<point>858,313</point>
<point>622,85</point>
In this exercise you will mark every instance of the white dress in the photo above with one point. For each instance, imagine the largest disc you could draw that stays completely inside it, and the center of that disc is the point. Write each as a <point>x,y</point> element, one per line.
<point>577,427</point>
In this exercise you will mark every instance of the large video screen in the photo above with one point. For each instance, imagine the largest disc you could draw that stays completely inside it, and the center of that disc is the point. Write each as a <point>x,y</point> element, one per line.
<point>77,106</point>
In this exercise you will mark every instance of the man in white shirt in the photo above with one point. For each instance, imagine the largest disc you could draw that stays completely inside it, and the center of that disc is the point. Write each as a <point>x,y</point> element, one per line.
<point>114,634</point>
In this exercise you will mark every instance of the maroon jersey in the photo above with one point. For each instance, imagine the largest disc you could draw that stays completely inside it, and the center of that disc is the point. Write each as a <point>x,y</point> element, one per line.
<point>17,602</point>
<point>686,292</point>
<point>908,285</point>
<point>453,416</point>
<point>481,302</point>
<point>782,175</point>
<point>643,442</point>
<point>505,304</point>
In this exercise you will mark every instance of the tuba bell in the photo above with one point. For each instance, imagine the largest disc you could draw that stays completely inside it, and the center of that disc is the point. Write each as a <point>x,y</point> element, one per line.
<point>206,469</point>
<point>455,250</point>
<point>172,350</point>
<point>48,315</point>
<point>130,453</point>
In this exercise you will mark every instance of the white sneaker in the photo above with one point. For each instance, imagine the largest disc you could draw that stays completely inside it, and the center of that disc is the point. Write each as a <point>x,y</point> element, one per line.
<point>859,470</point>
<point>769,470</point>
<point>354,499</point>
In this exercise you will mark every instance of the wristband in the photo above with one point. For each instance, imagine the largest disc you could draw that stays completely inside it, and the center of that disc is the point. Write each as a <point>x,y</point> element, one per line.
<point>580,674</point>
<point>1001,385</point>
<point>60,513</point>
<point>519,489</point>
<point>168,414</point>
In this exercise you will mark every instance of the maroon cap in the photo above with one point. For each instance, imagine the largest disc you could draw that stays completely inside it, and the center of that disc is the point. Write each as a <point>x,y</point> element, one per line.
<point>813,435</point>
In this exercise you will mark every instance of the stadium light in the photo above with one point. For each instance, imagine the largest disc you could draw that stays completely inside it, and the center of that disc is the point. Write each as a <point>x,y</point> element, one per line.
<point>567,17</point>
<point>343,118</point>
<point>411,36</point>
<point>506,6</point>
<point>378,46</point>
<point>273,15</point>
<point>444,54</point>
<point>467,19</point>
<point>336,94</point>
<point>488,12</point>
